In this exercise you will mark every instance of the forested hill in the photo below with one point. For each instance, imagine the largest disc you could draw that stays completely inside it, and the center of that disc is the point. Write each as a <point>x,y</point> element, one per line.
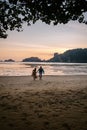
<point>73,56</point>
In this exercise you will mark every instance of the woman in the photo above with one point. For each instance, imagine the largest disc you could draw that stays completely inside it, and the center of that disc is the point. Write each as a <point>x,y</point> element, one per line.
<point>34,73</point>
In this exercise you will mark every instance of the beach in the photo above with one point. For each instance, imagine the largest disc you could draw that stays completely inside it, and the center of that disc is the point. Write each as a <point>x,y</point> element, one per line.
<point>53,103</point>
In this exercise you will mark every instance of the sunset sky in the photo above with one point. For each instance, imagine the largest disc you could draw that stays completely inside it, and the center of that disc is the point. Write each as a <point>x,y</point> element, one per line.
<point>41,40</point>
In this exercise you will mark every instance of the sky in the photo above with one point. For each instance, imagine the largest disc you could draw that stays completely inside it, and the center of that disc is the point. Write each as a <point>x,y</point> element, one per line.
<point>42,40</point>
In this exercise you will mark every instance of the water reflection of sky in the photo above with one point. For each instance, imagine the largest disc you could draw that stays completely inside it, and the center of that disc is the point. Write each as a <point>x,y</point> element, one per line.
<point>22,68</point>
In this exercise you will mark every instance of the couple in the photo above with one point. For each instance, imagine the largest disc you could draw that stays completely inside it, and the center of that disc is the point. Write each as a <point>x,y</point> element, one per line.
<point>34,73</point>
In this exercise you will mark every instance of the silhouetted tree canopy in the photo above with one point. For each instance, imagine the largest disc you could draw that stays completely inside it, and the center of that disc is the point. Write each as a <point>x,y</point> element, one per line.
<point>13,13</point>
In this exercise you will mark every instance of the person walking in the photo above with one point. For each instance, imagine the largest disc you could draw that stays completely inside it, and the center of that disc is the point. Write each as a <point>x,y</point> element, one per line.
<point>41,71</point>
<point>34,73</point>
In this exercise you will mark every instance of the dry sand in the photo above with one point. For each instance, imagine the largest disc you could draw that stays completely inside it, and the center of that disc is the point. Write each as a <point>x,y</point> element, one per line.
<point>54,103</point>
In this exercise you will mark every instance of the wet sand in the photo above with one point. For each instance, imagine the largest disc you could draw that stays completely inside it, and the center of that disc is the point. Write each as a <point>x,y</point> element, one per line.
<point>54,103</point>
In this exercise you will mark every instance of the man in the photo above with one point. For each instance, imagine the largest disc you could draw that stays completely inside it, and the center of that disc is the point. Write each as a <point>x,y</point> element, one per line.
<point>41,71</point>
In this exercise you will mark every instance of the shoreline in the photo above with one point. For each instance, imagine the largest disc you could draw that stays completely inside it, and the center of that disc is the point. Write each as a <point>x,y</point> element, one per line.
<point>54,103</point>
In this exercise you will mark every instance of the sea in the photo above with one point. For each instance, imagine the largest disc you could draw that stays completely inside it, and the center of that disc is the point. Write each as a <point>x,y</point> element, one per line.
<point>25,68</point>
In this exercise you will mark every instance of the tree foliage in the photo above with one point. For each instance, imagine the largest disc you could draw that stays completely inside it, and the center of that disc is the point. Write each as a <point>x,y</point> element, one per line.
<point>13,13</point>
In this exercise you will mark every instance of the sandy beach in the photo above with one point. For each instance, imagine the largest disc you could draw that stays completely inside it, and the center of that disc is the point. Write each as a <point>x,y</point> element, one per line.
<point>54,103</point>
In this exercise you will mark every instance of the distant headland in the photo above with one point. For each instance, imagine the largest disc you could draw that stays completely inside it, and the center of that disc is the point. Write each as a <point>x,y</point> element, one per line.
<point>9,60</point>
<point>69,56</point>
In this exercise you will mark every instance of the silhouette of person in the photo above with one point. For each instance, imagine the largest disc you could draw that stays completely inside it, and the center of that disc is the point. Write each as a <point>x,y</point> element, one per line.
<point>34,73</point>
<point>41,71</point>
